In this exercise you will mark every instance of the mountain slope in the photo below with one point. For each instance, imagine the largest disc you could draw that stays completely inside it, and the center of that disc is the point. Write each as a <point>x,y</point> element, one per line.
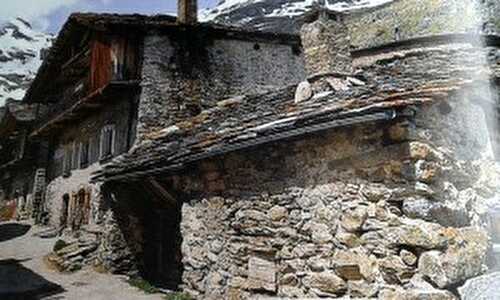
<point>21,48</point>
<point>274,15</point>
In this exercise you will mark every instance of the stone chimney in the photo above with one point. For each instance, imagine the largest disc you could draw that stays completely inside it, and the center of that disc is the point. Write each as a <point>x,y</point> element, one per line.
<point>187,11</point>
<point>326,43</point>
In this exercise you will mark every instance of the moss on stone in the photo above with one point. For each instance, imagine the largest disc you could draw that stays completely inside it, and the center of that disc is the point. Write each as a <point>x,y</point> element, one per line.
<point>143,285</point>
<point>60,244</point>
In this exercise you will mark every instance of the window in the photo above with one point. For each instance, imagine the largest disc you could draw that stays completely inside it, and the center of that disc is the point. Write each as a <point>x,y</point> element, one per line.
<point>107,141</point>
<point>68,158</point>
<point>84,154</point>
<point>75,159</point>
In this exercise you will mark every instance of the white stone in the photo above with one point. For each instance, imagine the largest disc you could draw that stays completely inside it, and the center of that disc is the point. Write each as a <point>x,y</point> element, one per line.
<point>304,92</point>
<point>485,287</point>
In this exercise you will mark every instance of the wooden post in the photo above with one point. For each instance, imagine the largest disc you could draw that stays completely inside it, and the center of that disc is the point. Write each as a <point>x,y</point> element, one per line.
<point>187,11</point>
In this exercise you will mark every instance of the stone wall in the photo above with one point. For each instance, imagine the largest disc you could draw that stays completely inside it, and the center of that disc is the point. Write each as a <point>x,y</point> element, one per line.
<point>404,19</point>
<point>189,72</point>
<point>334,215</point>
<point>78,179</point>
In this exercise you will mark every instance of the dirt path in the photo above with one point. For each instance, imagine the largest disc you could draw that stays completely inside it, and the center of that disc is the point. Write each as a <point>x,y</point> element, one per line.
<point>23,274</point>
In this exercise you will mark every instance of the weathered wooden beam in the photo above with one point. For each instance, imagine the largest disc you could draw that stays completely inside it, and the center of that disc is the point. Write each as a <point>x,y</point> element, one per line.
<point>162,191</point>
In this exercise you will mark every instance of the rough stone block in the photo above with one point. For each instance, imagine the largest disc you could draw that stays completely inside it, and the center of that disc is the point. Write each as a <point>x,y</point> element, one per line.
<point>261,274</point>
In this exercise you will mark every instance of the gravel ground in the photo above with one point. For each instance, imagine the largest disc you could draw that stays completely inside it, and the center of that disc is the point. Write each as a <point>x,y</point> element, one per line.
<point>23,272</point>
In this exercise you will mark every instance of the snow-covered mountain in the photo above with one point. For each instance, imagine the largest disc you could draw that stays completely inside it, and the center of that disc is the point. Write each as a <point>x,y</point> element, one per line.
<point>21,49</point>
<point>274,15</point>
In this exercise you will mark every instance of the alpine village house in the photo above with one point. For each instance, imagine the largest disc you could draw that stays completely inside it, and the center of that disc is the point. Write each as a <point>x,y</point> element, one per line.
<point>230,164</point>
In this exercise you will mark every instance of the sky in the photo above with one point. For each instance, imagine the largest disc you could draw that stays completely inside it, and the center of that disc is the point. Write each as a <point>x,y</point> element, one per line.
<point>49,15</point>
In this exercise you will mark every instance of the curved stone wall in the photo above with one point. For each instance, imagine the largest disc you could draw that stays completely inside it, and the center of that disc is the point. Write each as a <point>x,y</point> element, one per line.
<point>406,19</point>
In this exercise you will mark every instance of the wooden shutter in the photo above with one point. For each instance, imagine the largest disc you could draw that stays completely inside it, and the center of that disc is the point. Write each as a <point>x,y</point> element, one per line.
<point>101,65</point>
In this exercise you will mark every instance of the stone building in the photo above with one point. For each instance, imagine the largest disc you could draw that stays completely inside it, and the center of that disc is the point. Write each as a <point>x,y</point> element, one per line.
<point>18,156</point>
<point>232,164</point>
<point>112,79</point>
<point>370,178</point>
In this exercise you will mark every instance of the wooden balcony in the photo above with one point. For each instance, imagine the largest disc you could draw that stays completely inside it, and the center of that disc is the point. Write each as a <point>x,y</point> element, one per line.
<point>66,112</point>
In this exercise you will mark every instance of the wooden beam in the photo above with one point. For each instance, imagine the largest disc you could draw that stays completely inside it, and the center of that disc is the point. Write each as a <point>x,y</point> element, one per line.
<point>162,191</point>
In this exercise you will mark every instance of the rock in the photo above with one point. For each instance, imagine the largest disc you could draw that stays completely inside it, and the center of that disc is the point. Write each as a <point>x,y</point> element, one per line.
<point>354,265</point>
<point>353,220</point>
<point>426,171</point>
<point>278,213</point>
<point>394,270</point>
<point>362,289</point>
<point>448,213</point>
<point>304,250</point>
<point>303,92</point>
<point>348,239</point>
<point>375,192</point>
<point>261,274</point>
<point>320,233</point>
<point>355,81</point>
<point>484,287</point>
<point>418,282</point>
<point>416,233</point>
<point>420,150</point>
<point>291,291</point>
<point>424,190</point>
<point>338,84</point>
<point>463,259</point>
<point>416,294</point>
<point>325,282</point>
<point>408,257</point>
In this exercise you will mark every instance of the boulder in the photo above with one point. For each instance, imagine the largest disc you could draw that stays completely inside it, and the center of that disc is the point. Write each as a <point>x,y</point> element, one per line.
<point>463,259</point>
<point>484,287</point>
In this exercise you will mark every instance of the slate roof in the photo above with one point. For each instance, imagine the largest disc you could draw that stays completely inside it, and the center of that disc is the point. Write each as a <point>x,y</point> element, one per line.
<point>248,121</point>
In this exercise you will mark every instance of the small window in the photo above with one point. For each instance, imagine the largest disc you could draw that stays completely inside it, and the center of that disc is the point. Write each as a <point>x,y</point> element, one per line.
<point>107,141</point>
<point>68,156</point>
<point>84,154</point>
<point>75,158</point>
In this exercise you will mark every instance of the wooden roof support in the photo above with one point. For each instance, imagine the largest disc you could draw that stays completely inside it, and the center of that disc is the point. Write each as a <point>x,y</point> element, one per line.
<point>160,190</point>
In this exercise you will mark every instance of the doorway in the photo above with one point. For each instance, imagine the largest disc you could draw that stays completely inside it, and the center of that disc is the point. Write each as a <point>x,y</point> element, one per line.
<point>162,251</point>
<point>64,211</point>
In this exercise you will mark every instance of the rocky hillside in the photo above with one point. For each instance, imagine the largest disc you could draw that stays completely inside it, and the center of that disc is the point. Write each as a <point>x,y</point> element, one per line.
<point>21,50</point>
<point>274,15</point>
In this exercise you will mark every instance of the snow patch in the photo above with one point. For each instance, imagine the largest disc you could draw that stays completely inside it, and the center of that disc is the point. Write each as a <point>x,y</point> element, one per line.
<point>20,53</point>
